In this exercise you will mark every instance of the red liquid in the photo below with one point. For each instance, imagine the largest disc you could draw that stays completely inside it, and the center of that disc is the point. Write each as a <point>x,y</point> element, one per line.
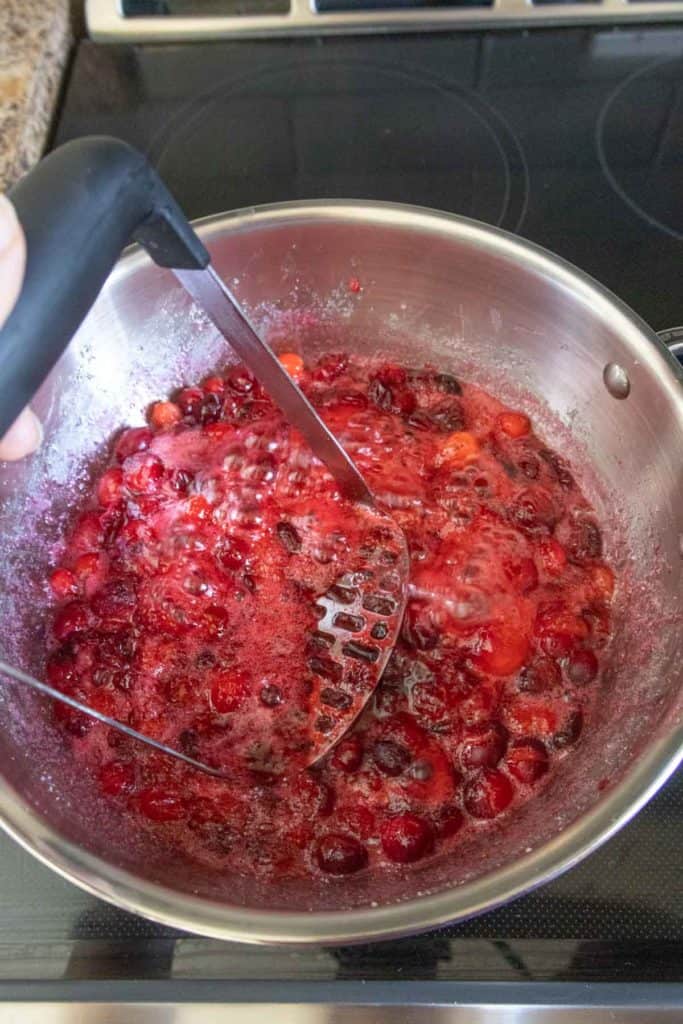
<point>187,596</point>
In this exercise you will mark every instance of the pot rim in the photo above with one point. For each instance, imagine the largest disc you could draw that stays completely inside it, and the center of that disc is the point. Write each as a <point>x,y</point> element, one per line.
<point>613,810</point>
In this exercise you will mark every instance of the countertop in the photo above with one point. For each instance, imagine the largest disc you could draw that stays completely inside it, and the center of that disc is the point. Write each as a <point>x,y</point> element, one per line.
<point>35,38</point>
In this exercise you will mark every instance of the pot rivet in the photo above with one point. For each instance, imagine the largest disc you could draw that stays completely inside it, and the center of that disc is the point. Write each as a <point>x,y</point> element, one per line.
<point>616,380</point>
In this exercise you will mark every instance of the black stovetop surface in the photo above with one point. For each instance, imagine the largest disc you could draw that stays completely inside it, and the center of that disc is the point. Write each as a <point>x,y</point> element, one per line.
<point>572,138</point>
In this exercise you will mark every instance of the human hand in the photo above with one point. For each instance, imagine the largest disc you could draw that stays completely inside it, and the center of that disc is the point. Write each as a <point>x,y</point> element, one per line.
<point>26,433</point>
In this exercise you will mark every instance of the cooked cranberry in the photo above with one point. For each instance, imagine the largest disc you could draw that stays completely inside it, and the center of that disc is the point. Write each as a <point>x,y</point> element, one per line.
<point>447,416</point>
<point>271,695</point>
<point>317,796</point>
<point>63,583</point>
<point>109,487</point>
<point>143,473</point>
<point>483,746</point>
<point>339,854</point>
<point>348,754</point>
<point>233,553</point>
<point>487,795</point>
<point>541,675</point>
<point>449,821</point>
<point>131,441</point>
<point>288,535</point>
<point>117,777</point>
<point>558,467</point>
<point>514,424</point>
<point>571,730</point>
<point>585,542</point>
<point>161,805</point>
<point>406,838</point>
<point>241,381</point>
<point>527,760</point>
<point>214,385</point>
<point>330,366</point>
<point>446,382</point>
<point>164,414</point>
<point>533,511</point>
<point>180,480</point>
<point>582,667</point>
<point>530,717</point>
<point>530,466</point>
<point>190,401</point>
<point>523,574</point>
<point>72,618</point>
<point>391,758</point>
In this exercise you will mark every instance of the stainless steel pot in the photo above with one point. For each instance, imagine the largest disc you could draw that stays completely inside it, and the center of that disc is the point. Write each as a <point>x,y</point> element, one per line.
<point>435,288</point>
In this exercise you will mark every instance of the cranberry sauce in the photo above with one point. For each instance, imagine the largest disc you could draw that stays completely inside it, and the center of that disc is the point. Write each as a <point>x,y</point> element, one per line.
<point>186,607</point>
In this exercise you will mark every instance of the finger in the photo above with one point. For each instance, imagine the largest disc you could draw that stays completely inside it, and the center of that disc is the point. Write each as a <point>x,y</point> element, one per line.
<point>22,438</point>
<point>12,258</point>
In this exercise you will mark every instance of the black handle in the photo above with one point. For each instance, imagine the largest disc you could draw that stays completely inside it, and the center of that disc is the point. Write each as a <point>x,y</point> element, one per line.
<point>79,208</point>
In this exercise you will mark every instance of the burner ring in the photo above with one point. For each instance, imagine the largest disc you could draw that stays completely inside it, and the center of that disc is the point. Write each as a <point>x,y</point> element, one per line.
<point>600,130</point>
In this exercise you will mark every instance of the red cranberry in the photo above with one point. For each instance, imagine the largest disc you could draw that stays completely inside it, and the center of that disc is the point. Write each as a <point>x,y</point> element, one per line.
<point>317,796</point>
<point>447,417</point>
<point>60,668</point>
<point>210,408</point>
<point>358,820</point>
<point>483,746</point>
<point>329,367</point>
<point>541,675</point>
<point>241,381</point>
<point>487,795</point>
<point>163,415</point>
<point>143,473</point>
<point>88,534</point>
<point>271,695</point>
<point>391,758</point>
<point>289,537</point>
<point>339,854</point>
<point>522,574</point>
<point>131,441</point>
<point>449,822</point>
<point>233,553</point>
<point>214,385</point>
<point>74,722</point>
<point>448,383</point>
<point>558,468</point>
<point>63,583</point>
<point>117,777</point>
<point>570,731</point>
<point>406,838</point>
<point>190,401</point>
<point>161,805</point>
<point>229,691</point>
<point>585,542</point>
<point>582,667</point>
<point>527,759</point>
<point>109,487</point>
<point>72,618</point>
<point>533,511</point>
<point>348,754</point>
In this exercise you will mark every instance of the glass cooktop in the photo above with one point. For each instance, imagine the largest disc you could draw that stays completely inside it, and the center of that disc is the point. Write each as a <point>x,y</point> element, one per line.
<point>572,138</point>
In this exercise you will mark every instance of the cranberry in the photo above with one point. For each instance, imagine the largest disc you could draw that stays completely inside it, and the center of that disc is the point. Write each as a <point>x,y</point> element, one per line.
<point>229,690</point>
<point>214,385</point>
<point>527,759</point>
<point>530,717</point>
<point>163,415</point>
<point>533,511</point>
<point>406,838</point>
<point>109,487</point>
<point>449,822</point>
<point>210,408</point>
<point>143,473</point>
<point>89,533</point>
<point>289,537</point>
<point>389,392</point>
<point>180,480</point>
<point>347,756</point>
<point>189,400</point>
<point>271,695</point>
<point>553,556</point>
<point>329,367</point>
<point>117,777</point>
<point>541,675</point>
<point>88,565</point>
<point>72,618</point>
<point>585,542</point>
<point>317,796</point>
<point>558,467</point>
<point>241,381</point>
<point>514,424</point>
<point>483,746</point>
<point>391,758</point>
<point>233,553</point>
<point>61,667</point>
<point>431,702</point>
<point>448,383</point>
<point>502,649</point>
<point>523,574</point>
<point>488,794</point>
<point>131,441</point>
<point>571,730</point>
<point>530,466</point>
<point>582,667</point>
<point>354,285</point>
<point>447,416</point>
<point>161,805</point>
<point>339,854</point>
<point>63,583</point>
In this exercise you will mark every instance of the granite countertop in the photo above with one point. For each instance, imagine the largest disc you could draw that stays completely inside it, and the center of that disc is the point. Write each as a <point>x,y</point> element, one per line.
<point>35,37</point>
